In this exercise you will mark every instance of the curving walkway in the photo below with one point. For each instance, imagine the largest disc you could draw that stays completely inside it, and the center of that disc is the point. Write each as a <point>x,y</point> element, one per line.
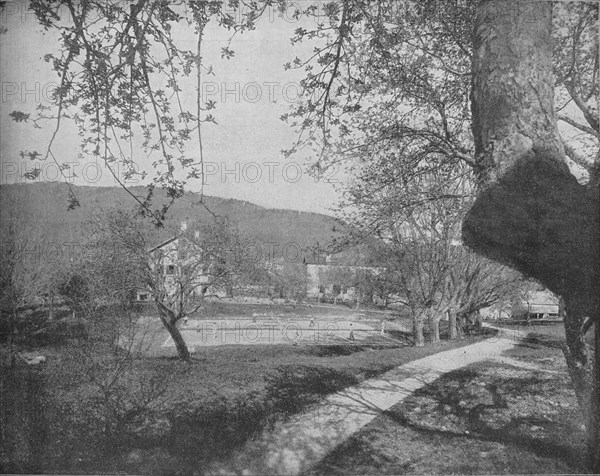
<point>294,446</point>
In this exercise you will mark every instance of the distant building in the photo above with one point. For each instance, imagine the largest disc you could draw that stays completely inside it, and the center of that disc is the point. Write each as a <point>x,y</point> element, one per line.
<point>180,258</point>
<point>335,274</point>
<point>536,305</point>
<point>532,305</point>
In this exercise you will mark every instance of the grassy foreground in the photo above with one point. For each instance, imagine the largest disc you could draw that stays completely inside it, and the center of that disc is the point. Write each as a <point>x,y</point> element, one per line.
<point>163,416</point>
<point>488,418</point>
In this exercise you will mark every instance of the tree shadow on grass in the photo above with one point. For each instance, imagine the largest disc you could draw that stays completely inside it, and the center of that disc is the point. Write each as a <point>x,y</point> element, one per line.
<point>213,431</point>
<point>508,434</point>
<point>465,409</point>
<point>451,393</point>
<point>403,337</point>
<point>292,388</point>
<point>332,350</point>
<point>544,340</point>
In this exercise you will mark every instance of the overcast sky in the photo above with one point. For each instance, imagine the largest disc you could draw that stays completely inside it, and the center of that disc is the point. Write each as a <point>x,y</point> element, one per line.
<point>242,152</point>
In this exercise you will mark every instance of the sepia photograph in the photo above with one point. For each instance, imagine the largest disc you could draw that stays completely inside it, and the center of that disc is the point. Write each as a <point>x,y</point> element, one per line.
<point>299,237</point>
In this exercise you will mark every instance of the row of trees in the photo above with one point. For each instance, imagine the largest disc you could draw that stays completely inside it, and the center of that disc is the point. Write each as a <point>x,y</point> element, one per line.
<point>426,266</point>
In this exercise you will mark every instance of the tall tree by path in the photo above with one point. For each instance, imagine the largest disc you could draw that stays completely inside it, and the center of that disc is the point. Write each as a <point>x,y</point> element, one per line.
<point>531,212</point>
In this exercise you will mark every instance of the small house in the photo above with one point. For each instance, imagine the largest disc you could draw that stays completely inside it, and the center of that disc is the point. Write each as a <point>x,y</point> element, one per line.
<point>536,305</point>
<point>180,259</point>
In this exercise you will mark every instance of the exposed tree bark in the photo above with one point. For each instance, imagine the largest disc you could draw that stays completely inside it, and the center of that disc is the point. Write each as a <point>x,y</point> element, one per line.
<point>229,291</point>
<point>478,322</point>
<point>531,213</point>
<point>418,325</point>
<point>51,310</point>
<point>460,326</point>
<point>513,87</point>
<point>578,355</point>
<point>594,420</point>
<point>170,324</point>
<point>452,324</point>
<point>434,327</point>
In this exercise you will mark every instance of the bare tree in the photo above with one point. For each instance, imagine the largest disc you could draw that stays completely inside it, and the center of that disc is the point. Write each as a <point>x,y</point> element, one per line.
<point>121,72</point>
<point>26,273</point>
<point>417,218</point>
<point>474,283</point>
<point>176,274</point>
<point>292,279</point>
<point>342,278</point>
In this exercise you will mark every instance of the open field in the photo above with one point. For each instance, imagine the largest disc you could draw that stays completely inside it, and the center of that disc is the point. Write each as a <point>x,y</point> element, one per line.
<point>225,308</point>
<point>234,323</point>
<point>286,330</point>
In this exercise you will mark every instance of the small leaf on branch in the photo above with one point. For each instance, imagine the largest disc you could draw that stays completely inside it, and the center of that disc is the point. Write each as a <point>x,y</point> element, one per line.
<point>32,174</point>
<point>19,116</point>
<point>30,155</point>
<point>227,52</point>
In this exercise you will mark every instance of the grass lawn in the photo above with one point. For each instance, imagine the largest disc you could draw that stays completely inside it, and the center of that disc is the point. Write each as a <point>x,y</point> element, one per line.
<point>488,418</point>
<point>239,322</point>
<point>54,419</point>
<point>224,308</point>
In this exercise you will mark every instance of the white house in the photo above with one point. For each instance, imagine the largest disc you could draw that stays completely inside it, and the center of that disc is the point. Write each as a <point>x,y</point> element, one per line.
<point>180,259</point>
<point>537,305</point>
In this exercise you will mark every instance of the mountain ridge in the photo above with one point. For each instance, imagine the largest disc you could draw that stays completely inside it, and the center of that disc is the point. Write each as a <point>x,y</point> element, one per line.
<point>41,208</point>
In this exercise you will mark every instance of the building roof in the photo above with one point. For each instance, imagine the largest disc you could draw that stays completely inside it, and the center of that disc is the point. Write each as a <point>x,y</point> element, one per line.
<point>164,243</point>
<point>537,302</point>
<point>542,298</point>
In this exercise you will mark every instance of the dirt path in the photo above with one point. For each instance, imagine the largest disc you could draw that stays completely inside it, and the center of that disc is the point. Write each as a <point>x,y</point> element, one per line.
<point>292,447</point>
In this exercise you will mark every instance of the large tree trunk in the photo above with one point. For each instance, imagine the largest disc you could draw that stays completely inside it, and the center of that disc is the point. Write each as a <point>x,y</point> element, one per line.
<point>584,368</point>
<point>229,291</point>
<point>452,324</point>
<point>594,420</point>
<point>51,312</point>
<point>531,213</point>
<point>418,325</point>
<point>434,327</point>
<point>579,356</point>
<point>461,325</point>
<point>170,323</point>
